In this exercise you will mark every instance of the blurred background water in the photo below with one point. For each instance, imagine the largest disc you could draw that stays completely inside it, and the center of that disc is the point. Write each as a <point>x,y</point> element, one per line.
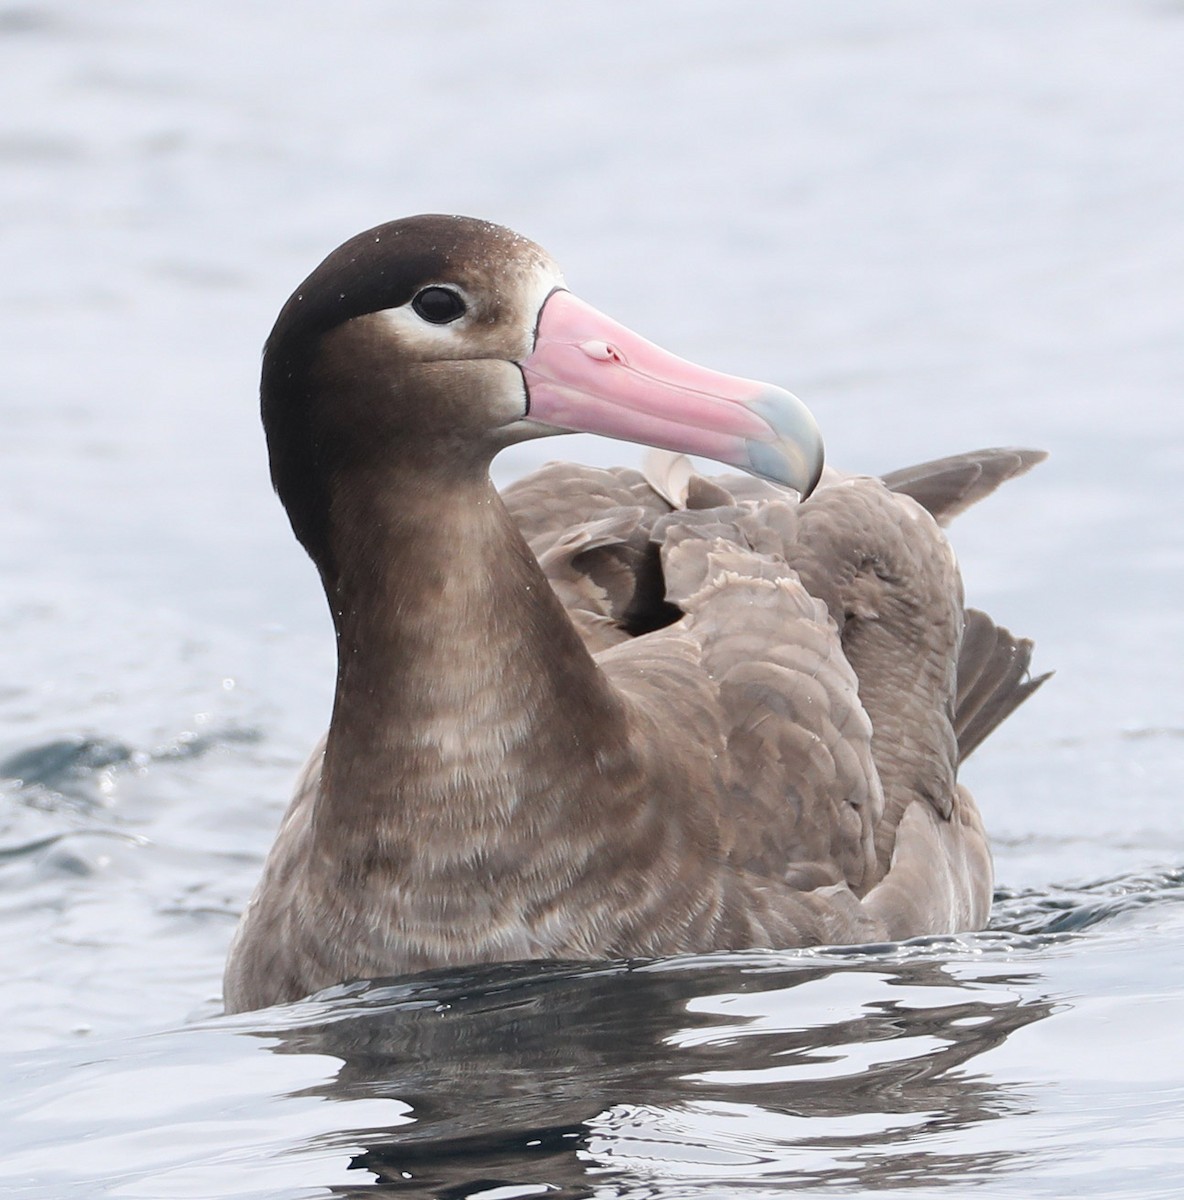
<point>945,226</point>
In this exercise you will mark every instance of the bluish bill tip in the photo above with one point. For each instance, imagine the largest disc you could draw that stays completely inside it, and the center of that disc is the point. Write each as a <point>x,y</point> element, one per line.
<point>795,457</point>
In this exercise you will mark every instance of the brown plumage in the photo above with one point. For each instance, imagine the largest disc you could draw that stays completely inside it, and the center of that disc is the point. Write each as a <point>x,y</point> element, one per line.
<point>608,714</point>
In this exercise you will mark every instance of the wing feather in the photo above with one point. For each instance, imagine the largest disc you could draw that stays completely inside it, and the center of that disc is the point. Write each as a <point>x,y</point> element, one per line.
<point>822,648</point>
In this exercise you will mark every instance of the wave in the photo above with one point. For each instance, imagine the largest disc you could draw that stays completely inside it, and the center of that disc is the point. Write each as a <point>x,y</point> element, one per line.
<point>71,771</point>
<point>1070,909</point>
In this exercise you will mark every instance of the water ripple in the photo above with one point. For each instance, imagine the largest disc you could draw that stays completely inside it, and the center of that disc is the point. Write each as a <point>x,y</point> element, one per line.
<point>74,771</point>
<point>1071,909</point>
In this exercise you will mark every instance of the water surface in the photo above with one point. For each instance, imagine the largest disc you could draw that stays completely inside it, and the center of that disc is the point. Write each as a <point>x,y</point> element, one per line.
<point>944,226</point>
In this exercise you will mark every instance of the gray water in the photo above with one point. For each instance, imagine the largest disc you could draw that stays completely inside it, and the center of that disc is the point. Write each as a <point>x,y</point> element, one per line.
<point>944,225</point>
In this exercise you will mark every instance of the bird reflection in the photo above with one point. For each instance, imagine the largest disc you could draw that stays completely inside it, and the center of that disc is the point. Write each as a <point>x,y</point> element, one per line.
<point>580,1079</point>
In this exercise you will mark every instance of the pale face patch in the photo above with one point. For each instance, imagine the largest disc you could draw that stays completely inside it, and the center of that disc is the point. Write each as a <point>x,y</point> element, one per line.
<point>498,322</point>
<point>497,329</point>
<point>427,341</point>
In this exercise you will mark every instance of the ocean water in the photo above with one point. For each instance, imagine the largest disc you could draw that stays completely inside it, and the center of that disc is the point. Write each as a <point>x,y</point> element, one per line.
<point>944,226</point>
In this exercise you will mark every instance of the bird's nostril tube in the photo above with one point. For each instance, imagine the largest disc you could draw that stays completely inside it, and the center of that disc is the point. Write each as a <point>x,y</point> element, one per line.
<point>602,351</point>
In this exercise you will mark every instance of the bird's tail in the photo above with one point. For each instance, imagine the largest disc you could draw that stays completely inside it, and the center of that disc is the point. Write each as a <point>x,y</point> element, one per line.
<point>993,664</point>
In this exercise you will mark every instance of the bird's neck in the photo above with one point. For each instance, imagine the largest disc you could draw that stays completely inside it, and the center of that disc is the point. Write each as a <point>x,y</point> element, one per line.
<point>466,704</point>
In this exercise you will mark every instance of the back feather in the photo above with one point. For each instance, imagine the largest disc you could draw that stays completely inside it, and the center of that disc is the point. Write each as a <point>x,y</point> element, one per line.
<point>598,532</point>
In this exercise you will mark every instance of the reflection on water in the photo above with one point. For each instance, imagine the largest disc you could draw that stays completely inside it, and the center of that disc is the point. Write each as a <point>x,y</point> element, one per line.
<point>925,1066</point>
<point>852,1069</point>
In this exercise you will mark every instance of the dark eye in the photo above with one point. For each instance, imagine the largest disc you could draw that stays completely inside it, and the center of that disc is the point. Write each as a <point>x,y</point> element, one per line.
<point>439,305</point>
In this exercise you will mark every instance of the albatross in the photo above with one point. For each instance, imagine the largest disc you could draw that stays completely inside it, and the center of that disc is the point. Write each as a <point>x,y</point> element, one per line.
<point>607,713</point>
